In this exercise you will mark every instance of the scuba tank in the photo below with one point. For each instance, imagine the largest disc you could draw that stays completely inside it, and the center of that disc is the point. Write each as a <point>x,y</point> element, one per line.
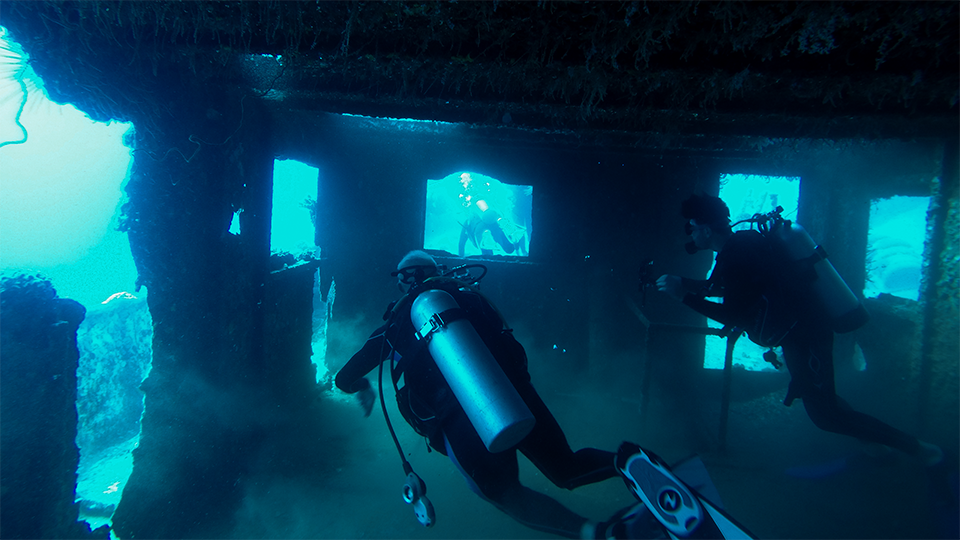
<point>816,274</point>
<point>487,396</point>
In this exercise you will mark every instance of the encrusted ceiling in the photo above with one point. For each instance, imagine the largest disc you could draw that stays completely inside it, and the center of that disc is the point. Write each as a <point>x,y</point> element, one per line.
<point>741,69</point>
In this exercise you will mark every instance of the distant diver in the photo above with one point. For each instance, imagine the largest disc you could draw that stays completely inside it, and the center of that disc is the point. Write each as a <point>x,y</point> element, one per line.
<point>481,219</point>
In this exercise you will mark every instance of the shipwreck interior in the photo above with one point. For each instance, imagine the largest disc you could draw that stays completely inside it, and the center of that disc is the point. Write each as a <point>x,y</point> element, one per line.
<point>599,118</point>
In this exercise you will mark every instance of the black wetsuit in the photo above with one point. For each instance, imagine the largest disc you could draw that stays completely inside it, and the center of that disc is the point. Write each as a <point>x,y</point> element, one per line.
<point>745,273</point>
<point>435,413</point>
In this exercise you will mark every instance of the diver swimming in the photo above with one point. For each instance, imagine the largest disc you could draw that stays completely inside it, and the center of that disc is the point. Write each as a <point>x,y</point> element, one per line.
<point>462,383</point>
<point>778,286</point>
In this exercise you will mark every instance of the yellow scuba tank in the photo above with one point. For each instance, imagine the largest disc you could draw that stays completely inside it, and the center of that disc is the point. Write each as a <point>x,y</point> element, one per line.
<point>844,310</point>
<point>487,396</point>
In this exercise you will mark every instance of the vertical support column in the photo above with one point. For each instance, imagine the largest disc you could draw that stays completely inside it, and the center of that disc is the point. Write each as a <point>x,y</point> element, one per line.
<point>206,289</point>
<point>256,202</point>
<point>939,294</point>
<point>38,411</point>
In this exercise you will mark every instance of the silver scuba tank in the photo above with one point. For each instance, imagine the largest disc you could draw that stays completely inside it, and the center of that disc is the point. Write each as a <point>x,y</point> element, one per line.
<point>845,311</point>
<point>492,404</point>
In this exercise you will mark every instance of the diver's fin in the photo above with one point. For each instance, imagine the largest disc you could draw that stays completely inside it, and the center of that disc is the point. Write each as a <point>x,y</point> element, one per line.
<point>728,527</point>
<point>681,510</point>
<point>692,472</point>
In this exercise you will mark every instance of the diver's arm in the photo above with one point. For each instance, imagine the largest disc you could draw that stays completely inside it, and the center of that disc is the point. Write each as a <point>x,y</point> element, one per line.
<point>718,312</point>
<point>700,287</point>
<point>677,286</point>
<point>350,378</point>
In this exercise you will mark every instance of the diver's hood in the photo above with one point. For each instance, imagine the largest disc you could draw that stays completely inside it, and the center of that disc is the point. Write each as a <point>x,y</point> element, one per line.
<point>691,247</point>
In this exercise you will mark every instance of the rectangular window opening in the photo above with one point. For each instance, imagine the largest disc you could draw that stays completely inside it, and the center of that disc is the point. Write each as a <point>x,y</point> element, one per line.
<point>898,228</point>
<point>469,214</point>
<point>293,231</point>
<point>293,225</point>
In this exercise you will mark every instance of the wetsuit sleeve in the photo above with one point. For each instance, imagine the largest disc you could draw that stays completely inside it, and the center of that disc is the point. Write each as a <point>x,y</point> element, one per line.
<point>718,312</point>
<point>350,378</point>
<point>698,286</point>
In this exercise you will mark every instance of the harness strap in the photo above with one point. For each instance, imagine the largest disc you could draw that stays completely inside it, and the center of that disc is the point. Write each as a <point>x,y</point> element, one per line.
<point>438,321</point>
<point>819,254</point>
<point>425,334</point>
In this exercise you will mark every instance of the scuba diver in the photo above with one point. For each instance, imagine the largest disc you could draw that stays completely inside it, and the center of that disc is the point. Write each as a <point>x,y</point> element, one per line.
<point>480,218</point>
<point>462,382</point>
<point>466,389</point>
<point>781,300</point>
<point>428,402</point>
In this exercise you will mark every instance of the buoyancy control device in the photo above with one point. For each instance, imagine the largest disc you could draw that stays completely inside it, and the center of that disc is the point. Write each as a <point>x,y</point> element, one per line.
<point>812,272</point>
<point>487,396</point>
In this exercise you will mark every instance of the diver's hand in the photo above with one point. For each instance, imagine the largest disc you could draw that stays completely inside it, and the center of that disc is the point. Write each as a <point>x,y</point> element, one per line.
<point>365,395</point>
<point>672,285</point>
<point>367,398</point>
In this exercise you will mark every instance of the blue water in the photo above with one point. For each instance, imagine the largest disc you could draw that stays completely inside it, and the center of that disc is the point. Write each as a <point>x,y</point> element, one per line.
<point>61,191</point>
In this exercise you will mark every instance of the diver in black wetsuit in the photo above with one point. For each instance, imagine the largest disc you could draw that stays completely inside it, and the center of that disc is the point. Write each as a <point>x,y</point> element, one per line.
<point>744,273</point>
<point>479,217</point>
<point>477,222</point>
<point>429,406</point>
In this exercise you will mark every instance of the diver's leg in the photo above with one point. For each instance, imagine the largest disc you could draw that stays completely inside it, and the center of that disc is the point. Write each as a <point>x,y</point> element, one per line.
<point>809,356</point>
<point>502,239</point>
<point>492,221</point>
<point>464,235</point>
<point>495,478</point>
<point>547,448</point>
